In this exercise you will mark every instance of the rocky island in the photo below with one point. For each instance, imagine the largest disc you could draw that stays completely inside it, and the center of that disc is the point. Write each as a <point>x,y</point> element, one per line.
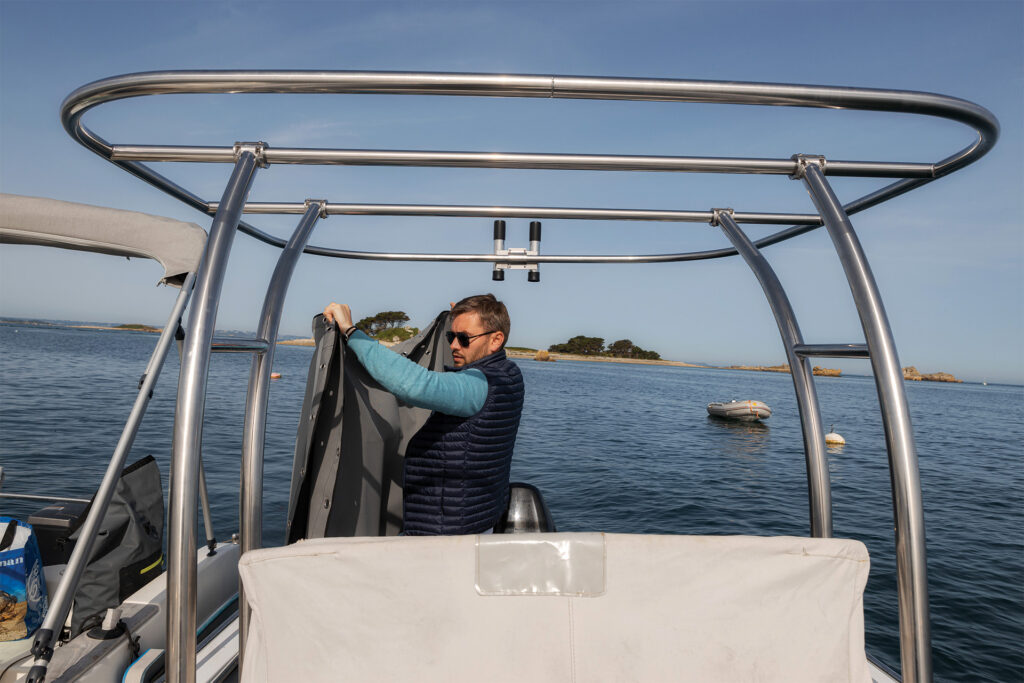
<point>911,373</point>
<point>817,370</point>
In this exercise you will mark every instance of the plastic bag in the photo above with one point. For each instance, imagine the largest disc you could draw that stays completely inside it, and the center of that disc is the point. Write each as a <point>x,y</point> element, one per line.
<point>23,599</point>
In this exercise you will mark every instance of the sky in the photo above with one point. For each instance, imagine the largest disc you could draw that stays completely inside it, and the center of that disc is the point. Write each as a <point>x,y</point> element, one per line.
<point>947,257</point>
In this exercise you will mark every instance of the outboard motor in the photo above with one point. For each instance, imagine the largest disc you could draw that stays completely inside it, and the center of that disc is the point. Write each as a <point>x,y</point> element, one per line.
<point>526,513</point>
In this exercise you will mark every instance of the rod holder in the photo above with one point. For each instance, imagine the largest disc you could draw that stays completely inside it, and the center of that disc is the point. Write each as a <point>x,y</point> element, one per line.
<point>516,258</point>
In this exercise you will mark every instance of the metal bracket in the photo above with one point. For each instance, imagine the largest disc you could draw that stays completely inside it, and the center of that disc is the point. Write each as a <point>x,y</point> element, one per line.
<point>321,202</point>
<point>520,254</point>
<point>257,149</point>
<point>533,269</point>
<point>715,213</point>
<point>801,164</point>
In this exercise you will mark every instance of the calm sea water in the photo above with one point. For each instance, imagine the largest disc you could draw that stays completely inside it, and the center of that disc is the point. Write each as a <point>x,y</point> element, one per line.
<point>613,447</point>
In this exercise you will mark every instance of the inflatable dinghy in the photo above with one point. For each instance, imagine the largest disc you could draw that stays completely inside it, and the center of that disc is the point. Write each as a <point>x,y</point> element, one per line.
<point>745,411</point>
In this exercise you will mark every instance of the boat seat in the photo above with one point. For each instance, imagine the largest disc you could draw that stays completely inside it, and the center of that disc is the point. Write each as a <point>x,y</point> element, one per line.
<point>557,607</point>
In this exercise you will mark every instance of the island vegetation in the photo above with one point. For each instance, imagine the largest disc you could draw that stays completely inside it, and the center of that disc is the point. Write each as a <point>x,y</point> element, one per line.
<point>136,327</point>
<point>581,345</point>
<point>388,326</point>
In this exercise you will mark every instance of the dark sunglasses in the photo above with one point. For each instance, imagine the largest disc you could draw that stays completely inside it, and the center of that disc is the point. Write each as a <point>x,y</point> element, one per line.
<point>464,339</point>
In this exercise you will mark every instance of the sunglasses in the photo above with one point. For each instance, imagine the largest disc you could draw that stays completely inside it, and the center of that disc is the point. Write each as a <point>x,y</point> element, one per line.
<point>464,339</point>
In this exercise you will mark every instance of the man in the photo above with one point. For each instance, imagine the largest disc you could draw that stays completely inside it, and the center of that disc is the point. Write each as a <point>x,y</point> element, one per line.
<point>457,464</point>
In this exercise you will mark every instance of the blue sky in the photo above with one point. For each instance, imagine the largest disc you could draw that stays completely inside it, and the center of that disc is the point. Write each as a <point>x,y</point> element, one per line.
<point>948,257</point>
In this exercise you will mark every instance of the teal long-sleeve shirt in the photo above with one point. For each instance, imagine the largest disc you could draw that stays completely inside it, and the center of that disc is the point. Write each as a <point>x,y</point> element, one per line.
<point>452,393</point>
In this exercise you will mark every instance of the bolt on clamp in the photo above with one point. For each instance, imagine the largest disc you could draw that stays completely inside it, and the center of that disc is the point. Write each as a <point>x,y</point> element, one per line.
<point>257,149</point>
<point>715,215</point>
<point>321,202</point>
<point>801,164</point>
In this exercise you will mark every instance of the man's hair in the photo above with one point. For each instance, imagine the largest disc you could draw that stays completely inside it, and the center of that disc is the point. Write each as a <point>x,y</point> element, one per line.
<point>493,314</point>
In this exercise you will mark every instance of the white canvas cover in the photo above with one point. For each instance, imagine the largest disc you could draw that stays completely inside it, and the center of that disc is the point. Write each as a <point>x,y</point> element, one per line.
<point>615,608</point>
<point>177,245</point>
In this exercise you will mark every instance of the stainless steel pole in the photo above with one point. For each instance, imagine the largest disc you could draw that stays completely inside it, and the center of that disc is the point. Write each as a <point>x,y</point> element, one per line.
<point>911,562</point>
<point>204,504</point>
<point>251,513</point>
<point>188,427</point>
<point>60,605</point>
<point>467,159</point>
<point>819,484</point>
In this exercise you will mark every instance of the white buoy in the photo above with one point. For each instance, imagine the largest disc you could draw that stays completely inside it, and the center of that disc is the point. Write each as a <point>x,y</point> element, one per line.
<point>833,438</point>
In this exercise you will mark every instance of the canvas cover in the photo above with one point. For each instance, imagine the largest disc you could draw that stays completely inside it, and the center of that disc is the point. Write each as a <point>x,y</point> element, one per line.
<point>557,607</point>
<point>128,550</point>
<point>347,469</point>
<point>177,245</point>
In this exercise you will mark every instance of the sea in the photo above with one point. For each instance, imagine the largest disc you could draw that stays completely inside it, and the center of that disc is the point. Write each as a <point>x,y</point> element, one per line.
<point>613,447</point>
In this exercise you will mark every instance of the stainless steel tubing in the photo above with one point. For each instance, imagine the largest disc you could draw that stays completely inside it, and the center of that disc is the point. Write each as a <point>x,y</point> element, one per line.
<point>29,496</point>
<point>60,602</point>
<point>911,561</point>
<point>832,350</point>
<point>134,85</point>
<point>506,258</point>
<point>525,212</point>
<point>512,85</point>
<point>819,487</point>
<point>204,504</point>
<point>238,345</point>
<point>251,494</point>
<point>577,162</point>
<point>188,427</point>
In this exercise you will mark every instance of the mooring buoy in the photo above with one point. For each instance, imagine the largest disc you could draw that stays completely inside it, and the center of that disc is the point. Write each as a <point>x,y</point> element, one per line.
<point>833,438</point>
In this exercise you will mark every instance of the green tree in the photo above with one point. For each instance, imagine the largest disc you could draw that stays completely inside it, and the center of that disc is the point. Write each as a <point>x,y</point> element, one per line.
<point>624,348</point>
<point>385,320</point>
<point>580,345</point>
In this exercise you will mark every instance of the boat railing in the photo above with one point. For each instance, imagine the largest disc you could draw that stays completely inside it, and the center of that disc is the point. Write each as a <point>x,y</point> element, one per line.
<point>812,170</point>
<point>60,602</point>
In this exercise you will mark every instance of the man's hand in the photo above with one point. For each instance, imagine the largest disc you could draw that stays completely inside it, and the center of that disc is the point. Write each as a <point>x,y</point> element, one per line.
<point>339,313</point>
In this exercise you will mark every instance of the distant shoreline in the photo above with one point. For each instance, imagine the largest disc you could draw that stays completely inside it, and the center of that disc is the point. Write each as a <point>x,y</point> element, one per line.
<point>912,375</point>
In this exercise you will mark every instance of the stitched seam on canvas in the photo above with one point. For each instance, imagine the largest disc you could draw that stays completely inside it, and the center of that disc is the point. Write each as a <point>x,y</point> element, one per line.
<point>572,644</point>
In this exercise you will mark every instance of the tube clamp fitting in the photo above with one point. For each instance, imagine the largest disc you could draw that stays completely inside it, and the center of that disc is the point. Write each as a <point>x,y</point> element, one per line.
<point>321,202</point>
<point>801,164</point>
<point>257,149</point>
<point>716,213</point>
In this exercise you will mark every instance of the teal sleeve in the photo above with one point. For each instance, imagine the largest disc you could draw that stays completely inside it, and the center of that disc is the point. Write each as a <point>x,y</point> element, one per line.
<point>452,393</point>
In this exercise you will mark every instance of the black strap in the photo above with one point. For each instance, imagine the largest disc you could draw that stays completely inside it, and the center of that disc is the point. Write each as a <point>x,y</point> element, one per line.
<point>8,539</point>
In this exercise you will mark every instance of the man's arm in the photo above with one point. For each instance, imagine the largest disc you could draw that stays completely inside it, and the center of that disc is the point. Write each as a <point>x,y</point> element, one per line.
<point>453,393</point>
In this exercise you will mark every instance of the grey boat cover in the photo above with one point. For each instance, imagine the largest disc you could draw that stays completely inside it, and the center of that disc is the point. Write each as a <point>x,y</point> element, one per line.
<point>349,450</point>
<point>177,245</point>
<point>128,550</point>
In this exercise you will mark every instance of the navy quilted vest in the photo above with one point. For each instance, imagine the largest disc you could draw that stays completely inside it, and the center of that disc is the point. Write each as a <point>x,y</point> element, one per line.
<point>457,468</point>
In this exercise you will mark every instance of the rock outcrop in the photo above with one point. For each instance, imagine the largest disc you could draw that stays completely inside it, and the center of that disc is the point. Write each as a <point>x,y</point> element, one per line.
<point>543,355</point>
<point>826,372</point>
<point>910,372</point>
<point>761,368</point>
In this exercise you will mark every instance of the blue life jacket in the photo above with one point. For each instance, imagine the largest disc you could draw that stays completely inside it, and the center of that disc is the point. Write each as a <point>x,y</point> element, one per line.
<point>457,468</point>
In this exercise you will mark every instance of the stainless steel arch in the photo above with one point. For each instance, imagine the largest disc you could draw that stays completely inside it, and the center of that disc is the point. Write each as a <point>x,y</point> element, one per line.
<point>547,86</point>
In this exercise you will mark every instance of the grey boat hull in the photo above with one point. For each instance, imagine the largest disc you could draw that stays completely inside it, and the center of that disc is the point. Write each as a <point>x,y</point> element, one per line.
<point>744,411</point>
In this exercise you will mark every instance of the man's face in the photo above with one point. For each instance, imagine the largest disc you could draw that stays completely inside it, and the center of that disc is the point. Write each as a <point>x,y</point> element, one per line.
<point>479,347</point>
